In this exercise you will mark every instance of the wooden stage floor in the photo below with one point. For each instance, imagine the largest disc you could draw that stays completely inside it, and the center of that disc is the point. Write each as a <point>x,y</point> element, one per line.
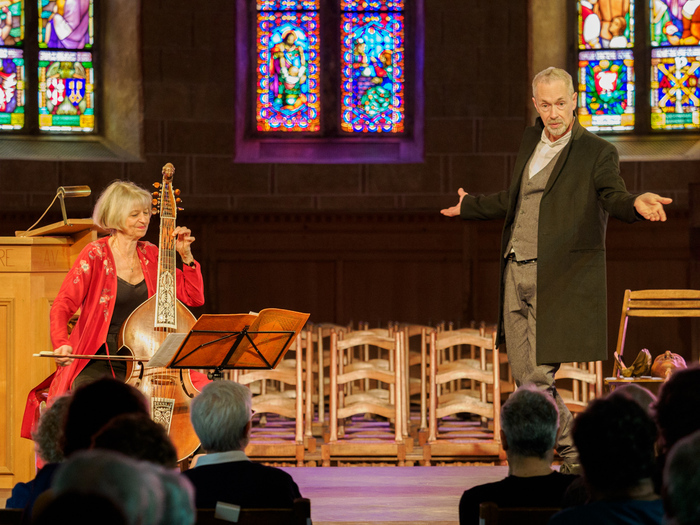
<point>385,495</point>
<point>391,495</point>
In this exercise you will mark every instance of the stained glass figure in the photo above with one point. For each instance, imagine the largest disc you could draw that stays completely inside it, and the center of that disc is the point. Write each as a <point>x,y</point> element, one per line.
<point>606,90</point>
<point>66,91</point>
<point>11,22</point>
<point>666,22</point>
<point>605,25</point>
<point>372,81</point>
<point>288,71</point>
<point>11,88</point>
<point>66,24</point>
<point>675,97</point>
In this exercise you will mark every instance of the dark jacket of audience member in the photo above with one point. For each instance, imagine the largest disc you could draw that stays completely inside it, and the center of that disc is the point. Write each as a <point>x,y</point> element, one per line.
<point>529,421</point>
<point>615,438</point>
<point>221,418</point>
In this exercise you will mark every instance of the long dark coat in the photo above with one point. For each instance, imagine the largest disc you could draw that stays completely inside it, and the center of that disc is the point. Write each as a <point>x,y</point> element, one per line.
<point>583,189</point>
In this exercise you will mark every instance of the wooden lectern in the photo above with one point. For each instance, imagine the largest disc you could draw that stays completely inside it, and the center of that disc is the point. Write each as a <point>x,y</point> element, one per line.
<point>32,267</point>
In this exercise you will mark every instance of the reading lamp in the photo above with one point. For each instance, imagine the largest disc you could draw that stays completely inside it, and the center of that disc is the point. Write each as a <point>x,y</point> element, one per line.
<point>62,193</point>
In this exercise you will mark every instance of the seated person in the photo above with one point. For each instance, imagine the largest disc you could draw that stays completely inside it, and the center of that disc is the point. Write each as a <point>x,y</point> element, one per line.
<point>221,417</point>
<point>682,482</point>
<point>615,439</point>
<point>90,408</point>
<point>48,439</point>
<point>529,422</point>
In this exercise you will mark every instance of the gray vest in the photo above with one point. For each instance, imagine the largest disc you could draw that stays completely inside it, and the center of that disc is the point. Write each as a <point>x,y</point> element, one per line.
<point>523,238</point>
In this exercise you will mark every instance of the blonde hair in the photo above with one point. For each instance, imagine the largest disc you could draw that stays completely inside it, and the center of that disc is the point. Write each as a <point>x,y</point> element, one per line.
<point>116,202</point>
<point>553,74</point>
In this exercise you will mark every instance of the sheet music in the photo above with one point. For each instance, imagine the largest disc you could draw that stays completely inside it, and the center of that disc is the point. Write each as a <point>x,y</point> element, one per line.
<point>167,350</point>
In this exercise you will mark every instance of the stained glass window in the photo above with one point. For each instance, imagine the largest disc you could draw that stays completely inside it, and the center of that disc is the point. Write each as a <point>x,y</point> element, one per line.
<point>372,74</point>
<point>11,65</point>
<point>675,94</point>
<point>66,24</point>
<point>606,90</point>
<point>288,61</point>
<point>66,91</point>
<point>605,25</point>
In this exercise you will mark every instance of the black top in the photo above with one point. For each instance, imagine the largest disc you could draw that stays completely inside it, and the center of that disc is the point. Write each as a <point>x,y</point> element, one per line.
<point>244,483</point>
<point>513,491</point>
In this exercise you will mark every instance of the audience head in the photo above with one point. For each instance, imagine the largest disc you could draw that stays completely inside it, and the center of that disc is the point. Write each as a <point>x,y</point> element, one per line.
<point>221,416</point>
<point>139,437</point>
<point>637,393</point>
<point>48,435</point>
<point>529,420</point>
<point>682,482</point>
<point>178,494</point>
<point>93,405</point>
<point>676,410</point>
<point>133,485</point>
<point>615,440</point>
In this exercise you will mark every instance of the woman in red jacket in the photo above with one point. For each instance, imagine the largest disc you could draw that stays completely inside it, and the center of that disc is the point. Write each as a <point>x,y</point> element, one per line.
<point>111,277</point>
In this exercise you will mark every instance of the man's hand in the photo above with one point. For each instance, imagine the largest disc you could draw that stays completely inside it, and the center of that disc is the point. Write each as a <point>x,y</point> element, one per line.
<point>651,206</point>
<point>454,210</point>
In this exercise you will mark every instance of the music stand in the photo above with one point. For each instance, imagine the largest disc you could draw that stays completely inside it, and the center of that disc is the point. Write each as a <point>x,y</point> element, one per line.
<point>238,341</point>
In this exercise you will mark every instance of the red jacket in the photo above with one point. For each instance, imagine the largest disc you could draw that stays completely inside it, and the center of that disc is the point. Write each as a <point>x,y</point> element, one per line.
<point>91,285</point>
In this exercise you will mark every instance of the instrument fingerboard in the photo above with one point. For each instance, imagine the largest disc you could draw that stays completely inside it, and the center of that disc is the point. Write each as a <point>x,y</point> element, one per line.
<point>165,316</point>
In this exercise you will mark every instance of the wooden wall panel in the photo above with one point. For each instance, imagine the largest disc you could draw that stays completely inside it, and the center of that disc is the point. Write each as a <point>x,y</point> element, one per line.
<point>7,352</point>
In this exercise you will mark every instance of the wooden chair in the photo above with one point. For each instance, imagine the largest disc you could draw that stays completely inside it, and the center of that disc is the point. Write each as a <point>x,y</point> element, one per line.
<point>651,303</point>
<point>491,514</point>
<point>416,339</point>
<point>464,437</point>
<point>299,514</point>
<point>357,440</point>
<point>317,345</point>
<point>278,439</point>
<point>579,383</point>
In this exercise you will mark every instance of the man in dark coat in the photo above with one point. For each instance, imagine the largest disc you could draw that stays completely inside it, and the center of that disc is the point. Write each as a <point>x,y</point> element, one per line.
<point>221,418</point>
<point>566,182</point>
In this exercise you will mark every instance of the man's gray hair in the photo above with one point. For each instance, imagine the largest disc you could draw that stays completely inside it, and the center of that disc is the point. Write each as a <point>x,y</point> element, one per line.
<point>530,419</point>
<point>220,414</point>
<point>553,74</point>
<point>682,482</point>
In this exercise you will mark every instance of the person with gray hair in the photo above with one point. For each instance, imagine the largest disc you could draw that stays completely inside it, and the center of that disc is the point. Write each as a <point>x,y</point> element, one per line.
<point>221,417</point>
<point>566,182</point>
<point>529,423</point>
<point>681,488</point>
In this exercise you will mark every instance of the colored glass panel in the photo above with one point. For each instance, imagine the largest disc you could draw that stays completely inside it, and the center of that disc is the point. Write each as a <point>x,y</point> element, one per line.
<point>11,88</point>
<point>372,5</point>
<point>288,71</point>
<point>372,73</point>
<point>66,91</point>
<point>671,23</point>
<point>675,97</point>
<point>12,23</point>
<point>606,90</point>
<point>66,24</point>
<point>605,27</point>
<point>287,5</point>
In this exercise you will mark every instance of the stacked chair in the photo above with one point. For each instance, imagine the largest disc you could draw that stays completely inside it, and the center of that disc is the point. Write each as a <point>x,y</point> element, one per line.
<point>366,398</point>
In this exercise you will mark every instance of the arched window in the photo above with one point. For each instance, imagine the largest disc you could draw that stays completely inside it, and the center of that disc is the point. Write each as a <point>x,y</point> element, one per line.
<point>323,81</point>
